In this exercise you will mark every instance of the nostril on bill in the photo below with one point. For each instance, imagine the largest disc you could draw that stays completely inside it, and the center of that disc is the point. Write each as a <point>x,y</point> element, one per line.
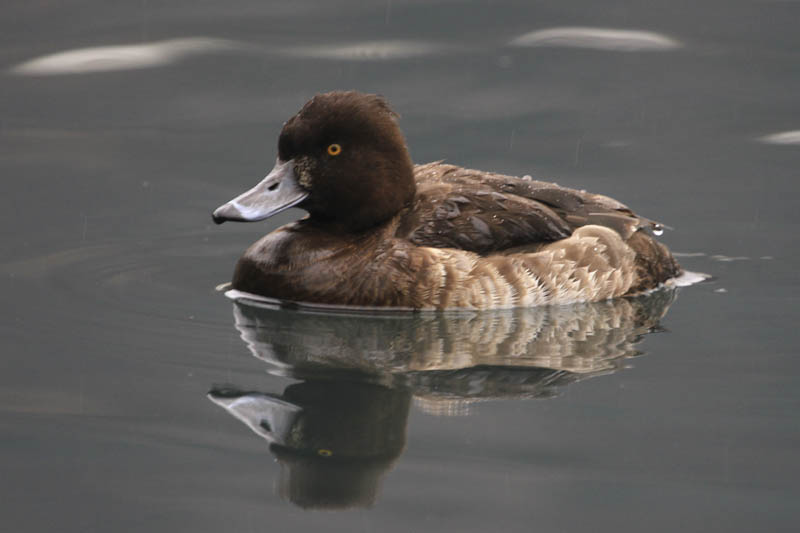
<point>273,186</point>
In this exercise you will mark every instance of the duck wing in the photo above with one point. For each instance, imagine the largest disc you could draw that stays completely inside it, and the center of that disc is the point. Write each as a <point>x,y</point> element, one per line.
<point>486,212</point>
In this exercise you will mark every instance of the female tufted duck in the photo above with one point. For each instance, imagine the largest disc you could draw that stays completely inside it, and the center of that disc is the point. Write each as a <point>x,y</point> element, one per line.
<point>383,232</point>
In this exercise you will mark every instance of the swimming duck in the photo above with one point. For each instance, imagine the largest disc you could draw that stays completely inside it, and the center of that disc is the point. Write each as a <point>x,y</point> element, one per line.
<point>383,232</point>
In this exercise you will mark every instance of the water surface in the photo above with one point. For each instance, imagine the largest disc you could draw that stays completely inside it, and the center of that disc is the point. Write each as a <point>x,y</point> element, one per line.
<point>121,362</point>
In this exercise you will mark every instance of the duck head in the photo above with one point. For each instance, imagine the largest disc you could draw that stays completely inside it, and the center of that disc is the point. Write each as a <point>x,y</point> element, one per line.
<point>342,158</point>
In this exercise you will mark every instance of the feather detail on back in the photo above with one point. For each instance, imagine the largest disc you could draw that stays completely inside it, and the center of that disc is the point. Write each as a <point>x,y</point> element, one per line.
<point>486,212</point>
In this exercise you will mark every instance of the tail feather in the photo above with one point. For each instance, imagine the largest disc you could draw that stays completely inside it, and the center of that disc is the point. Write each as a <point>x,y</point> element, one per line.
<point>654,262</point>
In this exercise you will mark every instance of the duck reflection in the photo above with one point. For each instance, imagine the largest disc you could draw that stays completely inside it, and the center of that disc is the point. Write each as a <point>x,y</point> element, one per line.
<point>334,439</point>
<point>338,431</point>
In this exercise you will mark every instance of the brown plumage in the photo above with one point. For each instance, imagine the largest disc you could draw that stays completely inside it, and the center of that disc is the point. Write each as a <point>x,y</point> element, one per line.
<point>381,232</point>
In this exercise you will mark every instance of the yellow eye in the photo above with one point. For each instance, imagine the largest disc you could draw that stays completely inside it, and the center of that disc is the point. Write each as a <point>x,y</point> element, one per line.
<point>334,149</point>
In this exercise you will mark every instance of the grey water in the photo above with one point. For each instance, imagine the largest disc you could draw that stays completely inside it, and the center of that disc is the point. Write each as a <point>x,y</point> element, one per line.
<point>134,396</point>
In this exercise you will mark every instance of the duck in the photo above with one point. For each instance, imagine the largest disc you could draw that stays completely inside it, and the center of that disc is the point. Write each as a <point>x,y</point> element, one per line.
<point>382,232</point>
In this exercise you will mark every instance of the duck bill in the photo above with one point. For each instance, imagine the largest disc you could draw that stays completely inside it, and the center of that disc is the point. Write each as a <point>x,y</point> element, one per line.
<point>269,416</point>
<point>276,192</point>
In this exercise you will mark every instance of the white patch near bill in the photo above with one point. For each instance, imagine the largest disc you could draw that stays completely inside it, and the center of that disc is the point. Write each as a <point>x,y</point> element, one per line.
<point>598,39</point>
<point>120,57</point>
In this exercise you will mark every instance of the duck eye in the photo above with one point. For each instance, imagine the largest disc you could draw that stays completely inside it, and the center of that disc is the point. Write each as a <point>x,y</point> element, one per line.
<point>334,149</point>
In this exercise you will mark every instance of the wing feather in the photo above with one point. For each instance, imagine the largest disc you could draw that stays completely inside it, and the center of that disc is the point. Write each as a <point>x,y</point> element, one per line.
<point>485,212</point>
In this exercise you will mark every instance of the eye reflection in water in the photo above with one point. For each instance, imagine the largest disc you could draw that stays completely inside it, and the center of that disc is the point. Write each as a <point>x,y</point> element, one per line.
<point>341,429</point>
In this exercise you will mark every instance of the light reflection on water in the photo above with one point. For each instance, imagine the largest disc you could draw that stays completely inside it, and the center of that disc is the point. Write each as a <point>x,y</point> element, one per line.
<point>161,53</point>
<point>121,57</point>
<point>621,40</point>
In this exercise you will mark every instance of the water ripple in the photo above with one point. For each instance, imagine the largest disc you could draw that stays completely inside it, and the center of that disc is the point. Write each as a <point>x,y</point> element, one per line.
<point>121,57</point>
<point>598,39</point>
<point>122,292</point>
<point>366,51</point>
<point>784,137</point>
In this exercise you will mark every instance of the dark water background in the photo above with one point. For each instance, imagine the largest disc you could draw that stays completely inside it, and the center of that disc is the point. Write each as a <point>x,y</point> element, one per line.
<point>112,333</point>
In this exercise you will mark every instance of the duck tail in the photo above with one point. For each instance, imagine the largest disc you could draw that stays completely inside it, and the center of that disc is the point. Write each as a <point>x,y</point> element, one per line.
<point>654,263</point>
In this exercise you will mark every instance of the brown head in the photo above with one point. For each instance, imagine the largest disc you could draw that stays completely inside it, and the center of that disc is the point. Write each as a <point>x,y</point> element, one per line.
<point>342,158</point>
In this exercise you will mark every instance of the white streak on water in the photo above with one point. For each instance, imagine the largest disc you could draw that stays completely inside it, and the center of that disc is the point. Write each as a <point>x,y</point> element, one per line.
<point>689,254</point>
<point>784,137</point>
<point>687,278</point>
<point>365,51</point>
<point>120,57</point>
<point>598,39</point>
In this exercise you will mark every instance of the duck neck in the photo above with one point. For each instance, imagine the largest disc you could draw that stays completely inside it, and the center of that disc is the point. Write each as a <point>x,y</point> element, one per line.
<point>357,213</point>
